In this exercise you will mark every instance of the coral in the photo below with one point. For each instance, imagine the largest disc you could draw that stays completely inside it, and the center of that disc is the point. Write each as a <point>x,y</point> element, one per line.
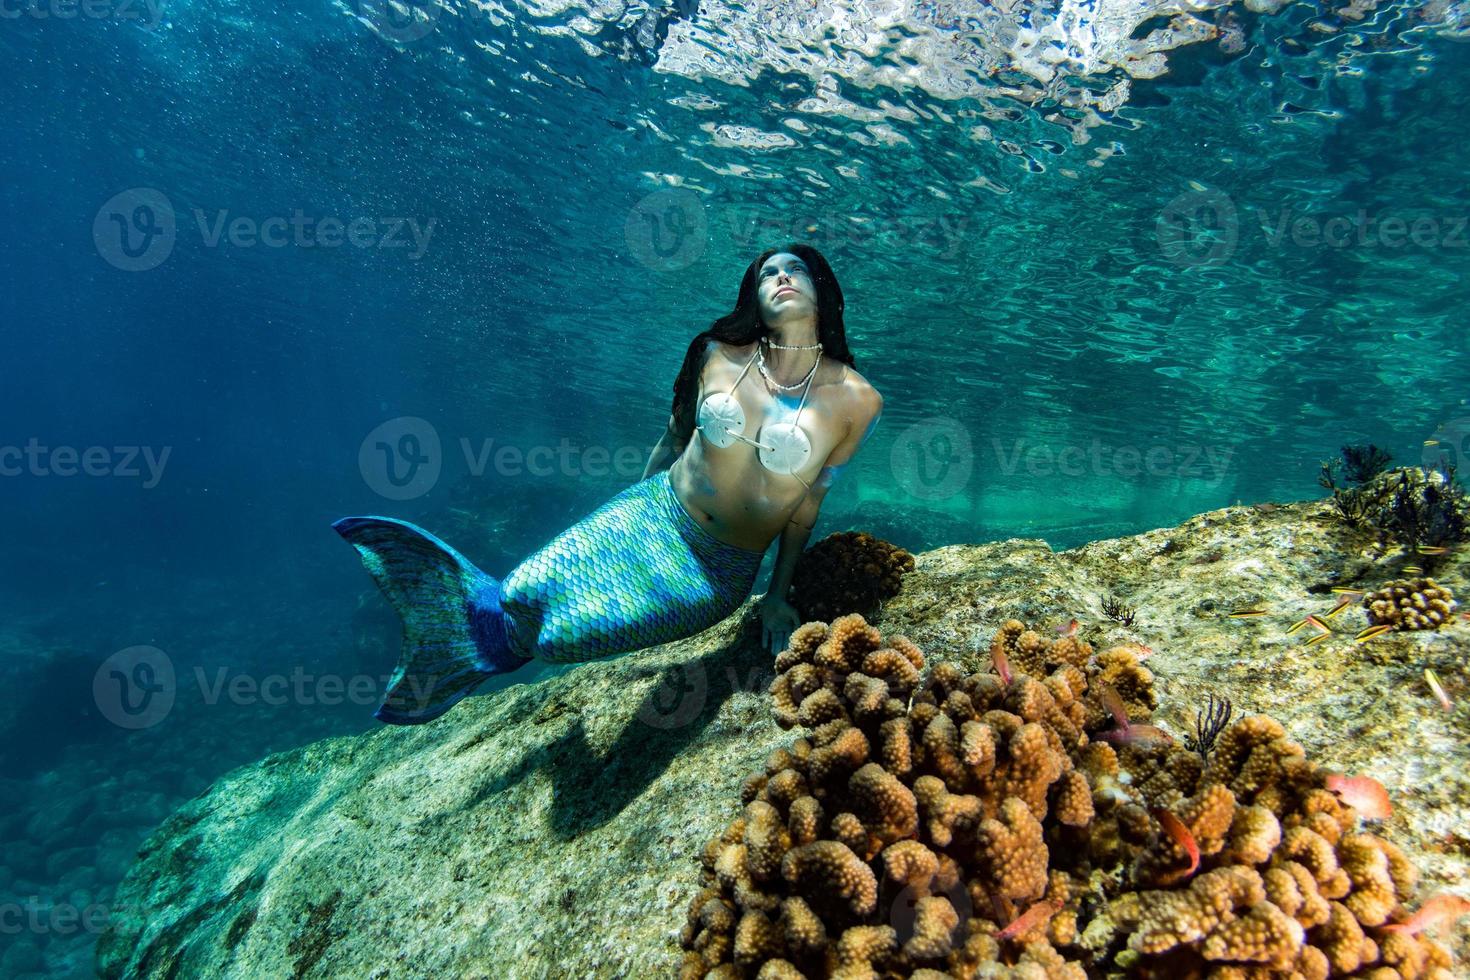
<point>1410,604</point>
<point>969,825</point>
<point>847,572</point>
<point>1114,609</point>
<point>1428,508</point>
<point>1208,724</point>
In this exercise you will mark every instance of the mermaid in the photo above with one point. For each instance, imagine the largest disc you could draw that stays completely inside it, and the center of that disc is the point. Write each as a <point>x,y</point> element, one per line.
<point>679,550</point>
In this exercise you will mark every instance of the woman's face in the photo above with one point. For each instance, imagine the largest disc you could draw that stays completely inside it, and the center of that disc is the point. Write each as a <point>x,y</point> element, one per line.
<point>785,288</point>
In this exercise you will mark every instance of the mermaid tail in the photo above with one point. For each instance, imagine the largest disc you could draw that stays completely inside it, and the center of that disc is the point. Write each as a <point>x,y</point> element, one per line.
<point>454,630</point>
<point>636,572</point>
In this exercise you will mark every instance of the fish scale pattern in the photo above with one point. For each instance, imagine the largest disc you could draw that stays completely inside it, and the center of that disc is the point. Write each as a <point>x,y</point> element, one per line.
<point>636,572</point>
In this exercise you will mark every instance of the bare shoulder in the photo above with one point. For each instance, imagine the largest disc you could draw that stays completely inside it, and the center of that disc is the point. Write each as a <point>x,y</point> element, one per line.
<point>864,401</point>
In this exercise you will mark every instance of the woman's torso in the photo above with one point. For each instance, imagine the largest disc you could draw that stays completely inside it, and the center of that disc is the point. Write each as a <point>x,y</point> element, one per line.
<point>727,489</point>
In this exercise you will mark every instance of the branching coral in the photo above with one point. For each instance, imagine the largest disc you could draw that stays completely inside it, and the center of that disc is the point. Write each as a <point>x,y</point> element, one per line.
<point>847,572</point>
<point>969,825</point>
<point>1410,604</point>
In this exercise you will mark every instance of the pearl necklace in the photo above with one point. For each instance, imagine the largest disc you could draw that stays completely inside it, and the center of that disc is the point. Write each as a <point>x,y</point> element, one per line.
<point>761,363</point>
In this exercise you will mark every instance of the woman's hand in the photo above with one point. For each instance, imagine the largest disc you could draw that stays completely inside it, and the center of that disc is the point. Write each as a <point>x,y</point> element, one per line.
<point>778,619</point>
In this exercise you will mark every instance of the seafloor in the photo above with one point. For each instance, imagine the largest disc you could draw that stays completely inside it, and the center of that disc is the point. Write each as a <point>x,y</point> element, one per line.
<point>556,828</point>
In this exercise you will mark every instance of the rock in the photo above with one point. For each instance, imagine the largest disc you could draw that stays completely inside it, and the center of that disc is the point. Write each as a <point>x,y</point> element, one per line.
<point>23,956</point>
<point>555,828</point>
<point>59,863</point>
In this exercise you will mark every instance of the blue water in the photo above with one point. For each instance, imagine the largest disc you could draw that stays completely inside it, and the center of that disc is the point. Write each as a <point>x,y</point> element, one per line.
<point>398,246</point>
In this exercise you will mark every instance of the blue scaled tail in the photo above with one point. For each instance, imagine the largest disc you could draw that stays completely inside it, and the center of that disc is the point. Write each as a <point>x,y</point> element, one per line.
<point>455,633</point>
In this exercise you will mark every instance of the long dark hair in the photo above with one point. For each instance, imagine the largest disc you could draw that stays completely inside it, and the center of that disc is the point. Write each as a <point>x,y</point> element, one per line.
<point>743,325</point>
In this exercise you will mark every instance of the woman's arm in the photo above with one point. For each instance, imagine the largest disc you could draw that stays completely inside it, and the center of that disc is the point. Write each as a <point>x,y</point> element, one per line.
<point>665,451</point>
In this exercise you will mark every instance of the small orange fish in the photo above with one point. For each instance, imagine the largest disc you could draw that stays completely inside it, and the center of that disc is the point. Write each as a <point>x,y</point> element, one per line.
<point>1141,735</point>
<point>1002,665</point>
<point>1362,793</point>
<point>1317,624</point>
<point>1069,630</point>
<point>1111,701</point>
<point>1180,835</point>
<point>1028,920</point>
<point>1437,909</point>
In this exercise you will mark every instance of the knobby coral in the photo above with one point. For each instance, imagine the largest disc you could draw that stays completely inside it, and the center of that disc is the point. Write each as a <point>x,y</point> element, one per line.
<point>1410,604</point>
<point>966,825</point>
<point>847,572</point>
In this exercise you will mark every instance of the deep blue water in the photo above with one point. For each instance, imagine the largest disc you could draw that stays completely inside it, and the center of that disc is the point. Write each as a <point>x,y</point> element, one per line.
<point>1064,353</point>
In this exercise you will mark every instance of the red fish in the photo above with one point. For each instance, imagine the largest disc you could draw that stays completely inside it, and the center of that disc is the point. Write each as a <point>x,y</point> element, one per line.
<point>1002,665</point>
<point>1363,794</point>
<point>1114,704</point>
<point>1030,919</point>
<point>1141,735</point>
<point>1180,835</point>
<point>1440,908</point>
<point>1069,630</point>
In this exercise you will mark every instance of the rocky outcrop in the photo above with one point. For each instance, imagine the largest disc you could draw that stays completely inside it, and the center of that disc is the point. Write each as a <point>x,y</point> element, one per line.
<point>557,828</point>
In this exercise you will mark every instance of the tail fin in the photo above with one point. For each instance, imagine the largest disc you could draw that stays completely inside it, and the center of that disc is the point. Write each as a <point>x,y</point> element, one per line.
<point>454,631</point>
